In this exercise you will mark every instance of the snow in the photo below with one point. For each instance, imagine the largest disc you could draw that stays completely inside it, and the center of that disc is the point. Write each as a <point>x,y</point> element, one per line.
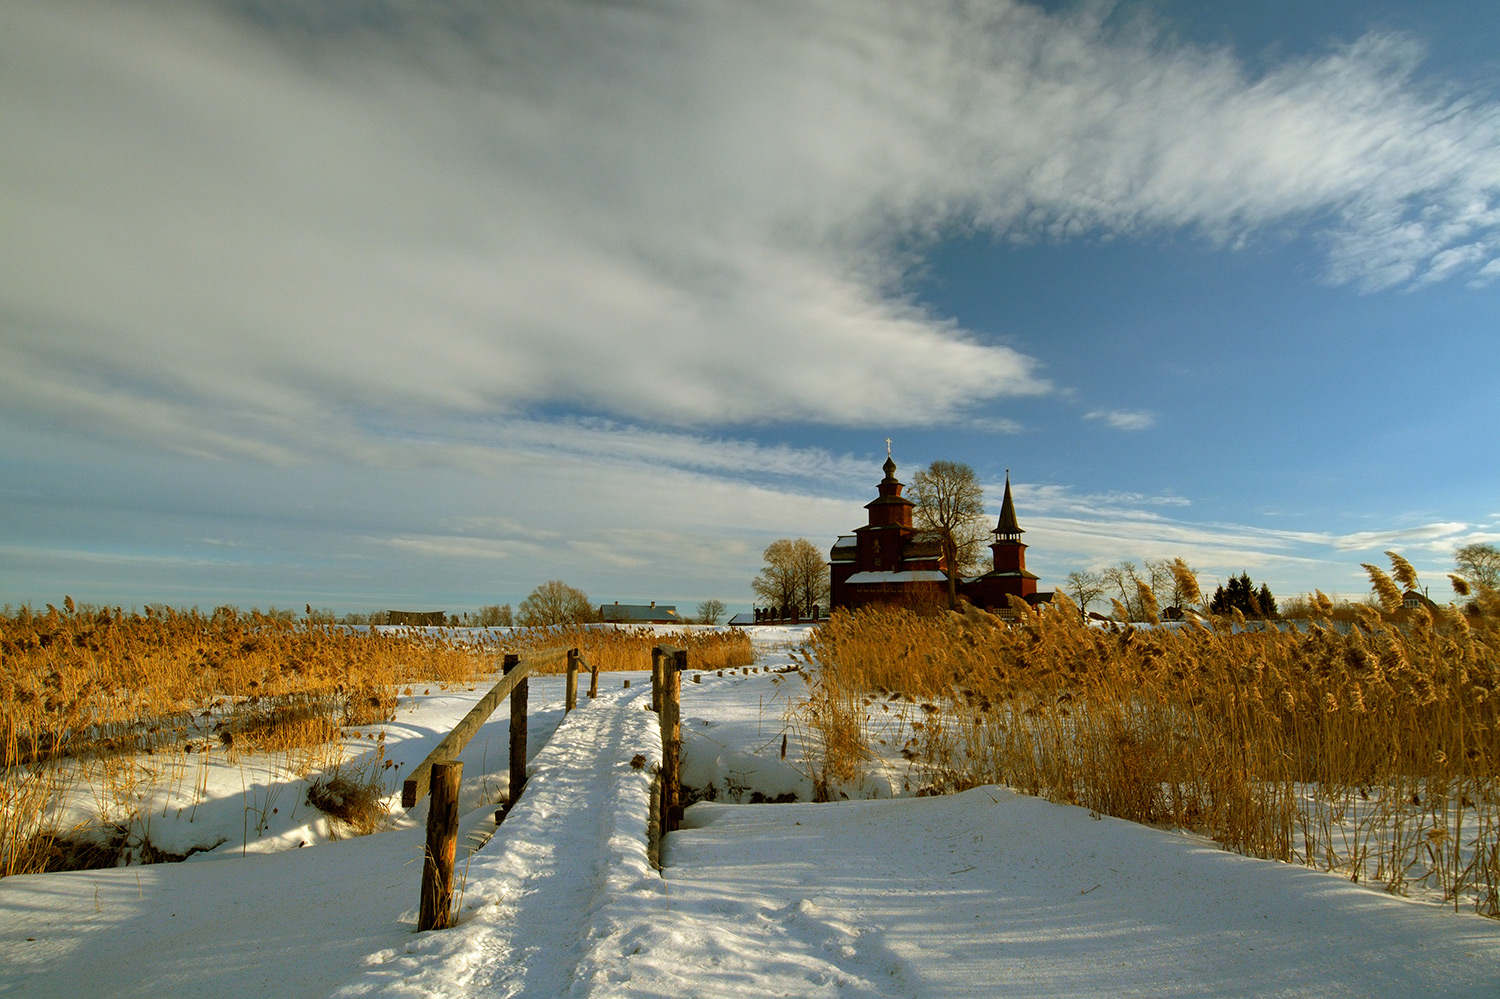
<point>988,893</point>
<point>985,893</point>
<point>907,576</point>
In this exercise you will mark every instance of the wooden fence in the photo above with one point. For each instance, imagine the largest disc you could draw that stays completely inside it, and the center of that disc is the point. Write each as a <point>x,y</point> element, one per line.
<point>441,773</point>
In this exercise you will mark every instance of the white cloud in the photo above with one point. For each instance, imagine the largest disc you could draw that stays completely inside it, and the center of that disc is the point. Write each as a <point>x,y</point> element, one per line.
<point>1123,419</point>
<point>1068,529</point>
<point>1051,499</point>
<point>230,232</point>
<point>1436,536</point>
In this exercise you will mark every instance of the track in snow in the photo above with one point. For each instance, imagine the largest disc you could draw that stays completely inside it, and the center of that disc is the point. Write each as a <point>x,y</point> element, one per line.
<point>574,841</point>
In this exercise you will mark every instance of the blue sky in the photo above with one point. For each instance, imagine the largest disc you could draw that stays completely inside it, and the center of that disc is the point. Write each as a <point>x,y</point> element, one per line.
<point>385,304</point>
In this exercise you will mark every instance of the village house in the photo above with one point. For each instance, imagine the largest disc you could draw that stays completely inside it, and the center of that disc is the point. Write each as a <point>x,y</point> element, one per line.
<point>890,561</point>
<point>618,613</point>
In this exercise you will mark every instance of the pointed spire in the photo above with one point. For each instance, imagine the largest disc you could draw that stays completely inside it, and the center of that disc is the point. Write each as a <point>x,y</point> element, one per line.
<point>1008,528</point>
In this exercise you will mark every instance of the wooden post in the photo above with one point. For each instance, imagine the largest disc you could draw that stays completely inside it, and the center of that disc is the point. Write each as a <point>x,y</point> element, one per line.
<point>671,738</point>
<point>436,912</point>
<point>594,678</point>
<point>570,692</point>
<point>656,678</point>
<point>517,735</point>
<point>653,823</point>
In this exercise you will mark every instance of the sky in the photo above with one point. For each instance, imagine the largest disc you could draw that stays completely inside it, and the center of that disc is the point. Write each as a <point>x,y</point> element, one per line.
<point>375,303</point>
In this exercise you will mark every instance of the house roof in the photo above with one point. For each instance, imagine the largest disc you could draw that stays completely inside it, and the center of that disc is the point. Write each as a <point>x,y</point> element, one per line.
<point>638,613</point>
<point>1413,598</point>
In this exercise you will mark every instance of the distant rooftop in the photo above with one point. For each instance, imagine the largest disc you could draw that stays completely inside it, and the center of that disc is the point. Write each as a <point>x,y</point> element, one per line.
<point>652,613</point>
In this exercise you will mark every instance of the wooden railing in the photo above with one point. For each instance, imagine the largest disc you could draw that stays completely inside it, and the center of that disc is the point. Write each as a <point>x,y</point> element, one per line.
<point>441,772</point>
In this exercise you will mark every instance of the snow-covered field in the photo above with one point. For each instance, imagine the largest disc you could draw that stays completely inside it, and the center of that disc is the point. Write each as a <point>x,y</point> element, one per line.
<point>980,894</point>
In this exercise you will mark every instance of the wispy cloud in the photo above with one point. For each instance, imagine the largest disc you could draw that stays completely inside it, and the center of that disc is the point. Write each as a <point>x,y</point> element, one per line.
<point>1075,530</point>
<point>229,223</point>
<point>1439,535</point>
<point>1052,499</point>
<point>1123,419</point>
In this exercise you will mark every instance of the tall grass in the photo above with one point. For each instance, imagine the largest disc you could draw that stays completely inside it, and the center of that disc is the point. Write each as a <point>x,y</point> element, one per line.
<point>616,648</point>
<point>91,694</point>
<point>1373,752</point>
<point>92,681</point>
<point>88,687</point>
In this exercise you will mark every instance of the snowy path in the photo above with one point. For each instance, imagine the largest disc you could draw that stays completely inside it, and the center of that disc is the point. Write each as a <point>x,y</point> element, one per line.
<point>574,841</point>
<point>339,918</point>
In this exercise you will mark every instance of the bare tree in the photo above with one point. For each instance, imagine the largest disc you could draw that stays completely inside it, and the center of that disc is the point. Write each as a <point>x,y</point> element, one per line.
<point>1158,577</point>
<point>950,502</point>
<point>1085,587</point>
<point>776,583</point>
<point>794,576</point>
<point>1479,564</point>
<point>709,611</point>
<point>495,615</point>
<point>555,602</point>
<point>1124,577</point>
<point>811,572</point>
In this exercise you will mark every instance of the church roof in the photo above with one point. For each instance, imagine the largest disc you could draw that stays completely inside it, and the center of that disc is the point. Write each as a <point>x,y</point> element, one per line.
<point>1008,524</point>
<point>923,545</point>
<point>907,576</point>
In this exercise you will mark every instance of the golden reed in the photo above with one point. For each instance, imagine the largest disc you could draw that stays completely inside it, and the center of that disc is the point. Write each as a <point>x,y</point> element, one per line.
<point>1371,750</point>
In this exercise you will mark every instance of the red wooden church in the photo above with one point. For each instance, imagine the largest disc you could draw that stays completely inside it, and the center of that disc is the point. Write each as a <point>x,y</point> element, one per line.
<point>889,561</point>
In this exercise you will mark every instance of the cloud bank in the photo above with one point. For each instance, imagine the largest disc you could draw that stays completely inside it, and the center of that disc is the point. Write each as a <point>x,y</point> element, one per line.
<point>240,229</point>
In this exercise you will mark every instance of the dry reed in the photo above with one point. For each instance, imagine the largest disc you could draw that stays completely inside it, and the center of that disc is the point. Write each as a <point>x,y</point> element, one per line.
<point>85,686</point>
<point>614,648</point>
<point>97,691</point>
<point>1371,751</point>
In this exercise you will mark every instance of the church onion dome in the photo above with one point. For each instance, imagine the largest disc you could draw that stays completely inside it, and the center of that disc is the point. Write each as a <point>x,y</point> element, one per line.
<point>890,468</point>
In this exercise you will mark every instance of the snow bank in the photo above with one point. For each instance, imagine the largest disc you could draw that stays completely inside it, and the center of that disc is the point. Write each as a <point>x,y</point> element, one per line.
<point>988,893</point>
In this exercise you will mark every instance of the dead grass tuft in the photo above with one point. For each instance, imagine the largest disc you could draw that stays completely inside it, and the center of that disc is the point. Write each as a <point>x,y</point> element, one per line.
<point>1371,748</point>
<point>356,801</point>
<point>615,648</point>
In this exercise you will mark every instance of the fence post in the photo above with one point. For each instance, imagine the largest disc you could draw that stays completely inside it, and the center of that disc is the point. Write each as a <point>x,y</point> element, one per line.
<point>656,678</point>
<point>436,912</point>
<point>671,731</point>
<point>517,734</point>
<point>570,692</point>
<point>594,678</point>
<point>653,824</point>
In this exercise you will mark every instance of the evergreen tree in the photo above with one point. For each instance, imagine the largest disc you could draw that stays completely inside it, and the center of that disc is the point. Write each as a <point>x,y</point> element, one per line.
<point>1241,595</point>
<point>1266,601</point>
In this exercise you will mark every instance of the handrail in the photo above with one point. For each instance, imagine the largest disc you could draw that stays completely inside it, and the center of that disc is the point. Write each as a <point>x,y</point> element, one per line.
<point>442,773</point>
<point>420,779</point>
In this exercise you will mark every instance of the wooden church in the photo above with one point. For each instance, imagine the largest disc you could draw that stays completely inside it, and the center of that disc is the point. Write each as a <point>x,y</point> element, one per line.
<point>889,561</point>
